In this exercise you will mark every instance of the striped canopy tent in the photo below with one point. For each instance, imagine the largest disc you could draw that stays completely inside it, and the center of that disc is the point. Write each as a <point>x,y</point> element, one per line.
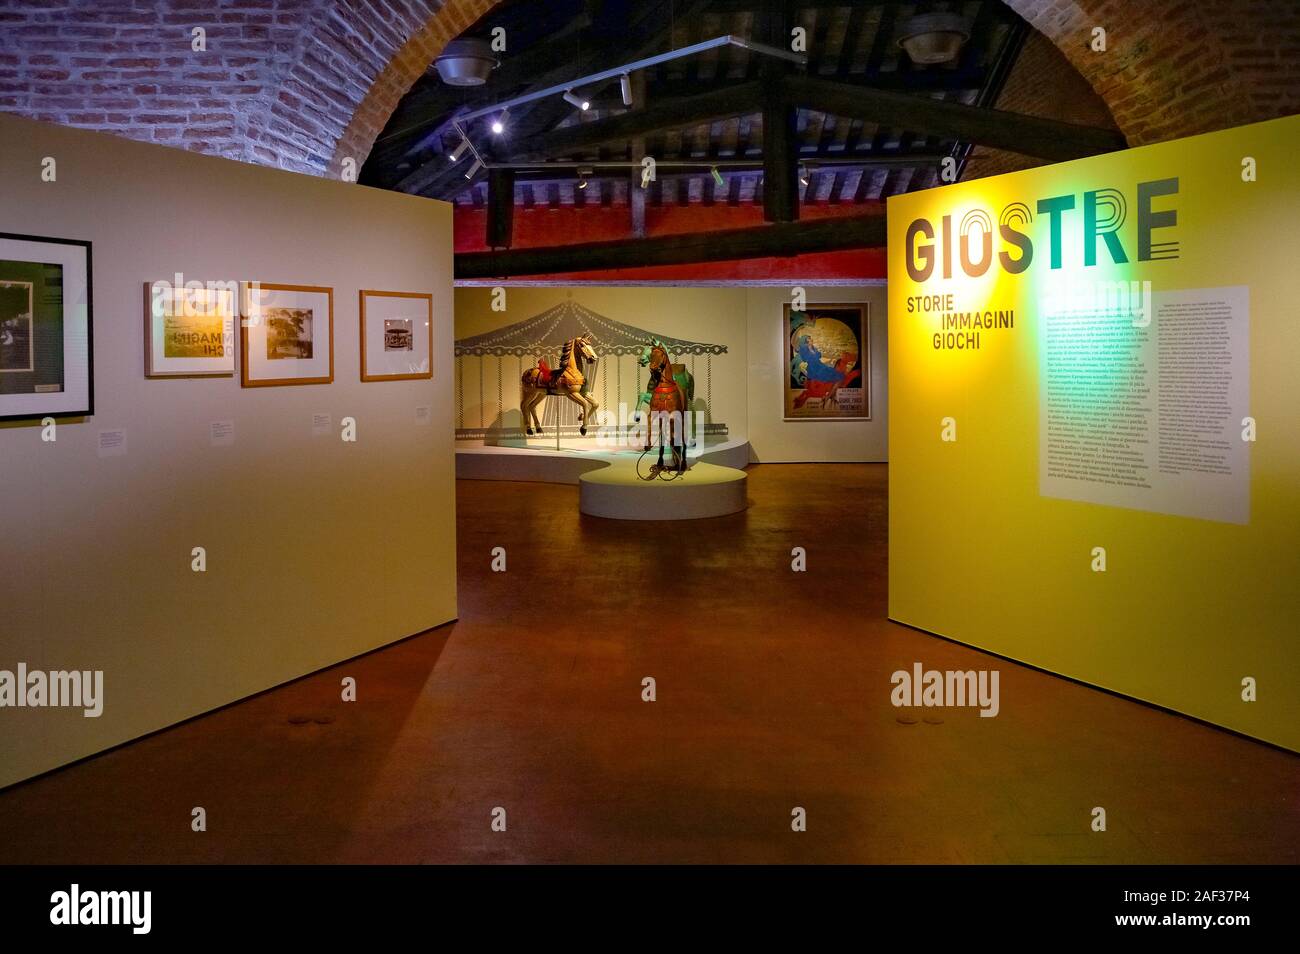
<point>489,366</point>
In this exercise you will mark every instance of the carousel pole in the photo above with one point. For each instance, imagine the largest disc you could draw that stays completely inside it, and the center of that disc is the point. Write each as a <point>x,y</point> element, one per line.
<point>708,387</point>
<point>460,393</point>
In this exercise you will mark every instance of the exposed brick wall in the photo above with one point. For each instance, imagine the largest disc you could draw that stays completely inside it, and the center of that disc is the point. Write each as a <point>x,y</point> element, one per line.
<point>403,68</point>
<point>1176,68</point>
<point>1041,83</point>
<point>297,84</point>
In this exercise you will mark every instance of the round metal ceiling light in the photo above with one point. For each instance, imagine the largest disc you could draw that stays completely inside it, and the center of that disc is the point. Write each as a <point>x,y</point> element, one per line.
<point>931,38</point>
<point>466,63</point>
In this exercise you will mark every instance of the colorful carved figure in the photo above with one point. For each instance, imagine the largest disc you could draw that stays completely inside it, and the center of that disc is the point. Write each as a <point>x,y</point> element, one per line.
<point>567,380</point>
<point>668,406</point>
<point>682,376</point>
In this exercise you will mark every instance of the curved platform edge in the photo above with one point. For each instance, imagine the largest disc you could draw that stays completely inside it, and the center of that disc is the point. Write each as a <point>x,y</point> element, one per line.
<point>566,466</point>
<point>706,490</point>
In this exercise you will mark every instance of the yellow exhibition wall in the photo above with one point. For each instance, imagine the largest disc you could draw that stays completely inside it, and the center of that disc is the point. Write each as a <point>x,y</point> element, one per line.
<point>1199,590</point>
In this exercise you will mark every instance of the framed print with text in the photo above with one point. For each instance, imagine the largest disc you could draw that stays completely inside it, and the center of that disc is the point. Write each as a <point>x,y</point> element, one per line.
<point>189,331</point>
<point>46,345</point>
<point>396,336</point>
<point>827,363</point>
<point>286,334</point>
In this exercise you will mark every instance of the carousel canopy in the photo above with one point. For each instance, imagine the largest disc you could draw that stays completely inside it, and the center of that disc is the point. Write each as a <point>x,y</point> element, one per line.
<point>547,332</point>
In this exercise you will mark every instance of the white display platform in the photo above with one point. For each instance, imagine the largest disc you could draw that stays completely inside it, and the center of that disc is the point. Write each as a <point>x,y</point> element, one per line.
<point>704,490</point>
<point>713,486</point>
<point>538,460</point>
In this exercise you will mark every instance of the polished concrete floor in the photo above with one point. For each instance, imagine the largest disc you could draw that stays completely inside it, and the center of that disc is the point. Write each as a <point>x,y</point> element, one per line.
<point>772,692</point>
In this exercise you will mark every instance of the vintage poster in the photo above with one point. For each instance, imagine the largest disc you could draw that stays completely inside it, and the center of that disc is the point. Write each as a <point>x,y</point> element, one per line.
<point>189,330</point>
<point>827,363</point>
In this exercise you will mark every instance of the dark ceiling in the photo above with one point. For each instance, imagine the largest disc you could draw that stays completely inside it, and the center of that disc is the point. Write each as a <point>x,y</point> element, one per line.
<point>552,41</point>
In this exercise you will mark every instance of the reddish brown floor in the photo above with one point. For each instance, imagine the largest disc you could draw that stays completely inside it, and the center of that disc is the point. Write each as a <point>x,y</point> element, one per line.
<point>773,692</point>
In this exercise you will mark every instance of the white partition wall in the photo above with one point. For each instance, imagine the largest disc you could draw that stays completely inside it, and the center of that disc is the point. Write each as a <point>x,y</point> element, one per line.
<point>317,548</point>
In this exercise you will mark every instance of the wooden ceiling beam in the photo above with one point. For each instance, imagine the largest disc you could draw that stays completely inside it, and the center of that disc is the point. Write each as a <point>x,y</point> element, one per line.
<point>706,107</point>
<point>501,208</point>
<point>786,238</point>
<point>1027,135</point>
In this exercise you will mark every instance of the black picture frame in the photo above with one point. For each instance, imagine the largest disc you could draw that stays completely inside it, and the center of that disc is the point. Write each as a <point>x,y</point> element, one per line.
<point>89,404</point>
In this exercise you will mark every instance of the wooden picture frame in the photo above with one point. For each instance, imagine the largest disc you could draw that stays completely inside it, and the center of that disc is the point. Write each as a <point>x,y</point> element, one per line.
<point>840,388</point>
<point>374,338</point>
<point>159,365</point>
<point>47,342</point>
<point>259,348</point>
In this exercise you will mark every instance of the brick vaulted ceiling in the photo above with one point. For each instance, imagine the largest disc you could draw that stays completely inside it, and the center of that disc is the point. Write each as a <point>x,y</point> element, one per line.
<point>298,84</point>
<point>1170,68</point>
<point>308,84</point>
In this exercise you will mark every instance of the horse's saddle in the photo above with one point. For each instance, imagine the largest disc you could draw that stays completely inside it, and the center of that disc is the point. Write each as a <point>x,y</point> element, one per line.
<point>547,376</point>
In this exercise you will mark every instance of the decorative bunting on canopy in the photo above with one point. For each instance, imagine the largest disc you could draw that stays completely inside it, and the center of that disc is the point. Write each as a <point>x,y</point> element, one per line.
<point>548,331</point>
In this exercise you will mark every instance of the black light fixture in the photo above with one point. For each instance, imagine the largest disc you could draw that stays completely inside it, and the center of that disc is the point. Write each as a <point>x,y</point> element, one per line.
<point>459,150</point>
<point>931,38</point>
<point>474,169</point>
<point>625,85</point>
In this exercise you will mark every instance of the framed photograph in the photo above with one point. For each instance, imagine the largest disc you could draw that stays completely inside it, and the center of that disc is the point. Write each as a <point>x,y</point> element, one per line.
<point>286,334</point>
<point>189,331</point>
<point>827,363</point>
<point>396,336</point>
<point>46,345</point>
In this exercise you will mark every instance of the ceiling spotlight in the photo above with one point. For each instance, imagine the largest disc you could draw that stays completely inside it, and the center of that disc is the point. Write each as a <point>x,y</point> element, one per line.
<point>625,84</point>
<point>717,176</point>
<point>459,150</point>
<point>582,182</point>
<point>933,37</point>
<point>474,169</point>
<point>576,101</point>
<point>499,124</point>
<point>803,176</point>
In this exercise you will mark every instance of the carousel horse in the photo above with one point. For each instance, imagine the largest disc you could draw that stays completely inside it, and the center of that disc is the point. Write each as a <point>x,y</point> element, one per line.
<point>566,380</point>
<point>680,374</point>
<point>667,407</point>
